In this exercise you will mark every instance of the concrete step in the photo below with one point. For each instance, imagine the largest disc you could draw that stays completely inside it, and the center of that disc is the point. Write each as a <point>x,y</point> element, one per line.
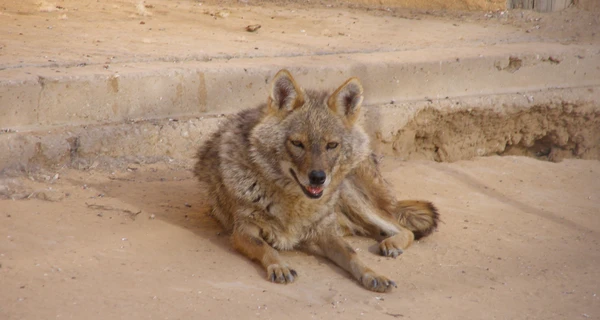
<point>40,98</point>
<point>152,111</point>
<point>156,81</point>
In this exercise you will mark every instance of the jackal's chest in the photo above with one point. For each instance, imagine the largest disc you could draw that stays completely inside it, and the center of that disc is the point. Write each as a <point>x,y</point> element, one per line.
<point>294,224</point>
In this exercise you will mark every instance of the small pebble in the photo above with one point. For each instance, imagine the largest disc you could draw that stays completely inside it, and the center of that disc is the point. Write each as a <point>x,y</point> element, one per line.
<point>253,27</point>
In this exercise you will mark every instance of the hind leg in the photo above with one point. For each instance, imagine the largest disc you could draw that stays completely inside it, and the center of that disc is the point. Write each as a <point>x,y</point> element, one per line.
<point>368,203</point>
<point>394,245</point>
<point>361,216</point>
<point>392,237</point>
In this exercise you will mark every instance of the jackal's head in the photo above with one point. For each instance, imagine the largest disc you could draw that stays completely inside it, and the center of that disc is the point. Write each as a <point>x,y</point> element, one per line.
<point>310,139</point>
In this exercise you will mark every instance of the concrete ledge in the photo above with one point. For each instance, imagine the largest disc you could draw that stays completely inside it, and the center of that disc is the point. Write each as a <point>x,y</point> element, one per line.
<point>39,98</point>
<point>176,140</point>
<point>79,116</point>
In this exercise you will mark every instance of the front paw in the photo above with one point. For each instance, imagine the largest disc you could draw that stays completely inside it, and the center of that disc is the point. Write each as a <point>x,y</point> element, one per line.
<point>377,283</point>
<point>281,274</point>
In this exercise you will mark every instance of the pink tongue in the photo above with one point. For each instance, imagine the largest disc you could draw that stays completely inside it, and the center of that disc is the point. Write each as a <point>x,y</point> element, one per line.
<point>314,190</point>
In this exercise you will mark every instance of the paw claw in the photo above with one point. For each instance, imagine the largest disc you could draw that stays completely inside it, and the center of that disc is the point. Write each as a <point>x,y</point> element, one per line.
<point>389,248</point>
<point>396,253</point>
<point>290,276</point>
<point>281,274</point>
<point>377,283</point>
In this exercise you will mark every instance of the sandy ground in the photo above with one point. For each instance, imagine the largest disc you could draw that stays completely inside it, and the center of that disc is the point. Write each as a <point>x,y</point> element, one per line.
<point>69,33</point>
<point>520,240</point>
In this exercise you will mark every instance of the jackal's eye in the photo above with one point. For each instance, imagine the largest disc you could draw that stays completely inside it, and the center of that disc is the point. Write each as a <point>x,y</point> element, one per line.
<point>297,143</point>
<point>332,145</point>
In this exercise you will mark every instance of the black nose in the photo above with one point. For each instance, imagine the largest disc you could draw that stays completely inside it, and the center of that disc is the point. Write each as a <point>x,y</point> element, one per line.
<point>317,177</point>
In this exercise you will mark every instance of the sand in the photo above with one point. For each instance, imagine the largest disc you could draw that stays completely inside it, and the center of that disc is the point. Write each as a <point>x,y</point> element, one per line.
<point>519,240</point>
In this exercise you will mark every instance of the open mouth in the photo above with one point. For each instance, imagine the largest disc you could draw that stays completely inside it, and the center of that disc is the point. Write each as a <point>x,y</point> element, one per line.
<point>313,192</point>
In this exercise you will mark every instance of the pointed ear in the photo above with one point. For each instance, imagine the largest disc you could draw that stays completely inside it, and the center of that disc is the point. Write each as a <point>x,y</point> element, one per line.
<point>346,100</point>
<point>285,95</point>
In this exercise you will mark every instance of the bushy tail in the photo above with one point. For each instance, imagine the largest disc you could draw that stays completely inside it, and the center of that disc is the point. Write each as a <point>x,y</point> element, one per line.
<point>420,217</point>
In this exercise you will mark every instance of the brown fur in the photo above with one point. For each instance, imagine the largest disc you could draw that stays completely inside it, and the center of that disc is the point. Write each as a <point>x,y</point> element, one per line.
<point>261,169</point>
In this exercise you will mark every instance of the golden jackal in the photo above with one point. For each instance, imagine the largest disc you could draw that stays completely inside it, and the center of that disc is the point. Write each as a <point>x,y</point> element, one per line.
<point>298,172</point>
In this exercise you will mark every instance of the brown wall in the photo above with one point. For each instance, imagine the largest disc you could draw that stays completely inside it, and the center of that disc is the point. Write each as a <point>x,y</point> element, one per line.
<point>475,5</point>
<point>590,5</point>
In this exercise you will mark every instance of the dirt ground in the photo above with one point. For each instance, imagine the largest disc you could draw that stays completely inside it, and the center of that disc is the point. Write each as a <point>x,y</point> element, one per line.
<point>520,239</point>
<point>68,33</point>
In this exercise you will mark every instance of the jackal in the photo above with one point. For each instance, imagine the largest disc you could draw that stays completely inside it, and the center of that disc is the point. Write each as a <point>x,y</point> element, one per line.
<point>298,173</point>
